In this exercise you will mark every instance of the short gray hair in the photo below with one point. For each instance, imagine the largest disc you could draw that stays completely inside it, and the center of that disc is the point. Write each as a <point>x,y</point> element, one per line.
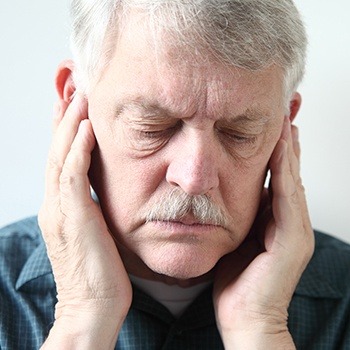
<point>249,34</point>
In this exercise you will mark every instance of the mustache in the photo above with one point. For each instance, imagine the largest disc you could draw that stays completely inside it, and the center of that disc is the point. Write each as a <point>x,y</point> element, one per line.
<point>176,204</point>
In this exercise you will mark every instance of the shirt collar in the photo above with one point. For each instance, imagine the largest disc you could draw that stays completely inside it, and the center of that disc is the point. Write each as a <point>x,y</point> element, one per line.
<point>36,266</point>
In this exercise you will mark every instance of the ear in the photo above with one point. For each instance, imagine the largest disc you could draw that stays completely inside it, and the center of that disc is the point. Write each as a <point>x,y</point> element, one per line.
<point>64,81</point>
<point>294,106</point>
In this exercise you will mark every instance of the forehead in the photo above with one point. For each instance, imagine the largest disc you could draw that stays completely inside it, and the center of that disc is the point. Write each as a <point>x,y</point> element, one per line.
<point>143,69</point>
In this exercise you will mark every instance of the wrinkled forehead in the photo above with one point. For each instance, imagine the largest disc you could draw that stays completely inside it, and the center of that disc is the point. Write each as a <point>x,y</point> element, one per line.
<point>145,67</point>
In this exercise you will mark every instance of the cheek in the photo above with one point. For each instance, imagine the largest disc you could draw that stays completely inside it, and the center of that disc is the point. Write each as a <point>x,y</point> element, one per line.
<point>123,184</point>
<point>242,192</point>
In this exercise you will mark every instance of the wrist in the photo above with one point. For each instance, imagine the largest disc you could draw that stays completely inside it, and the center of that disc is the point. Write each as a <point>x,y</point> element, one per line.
<point>257,334</point>
<point>84,331</point>
<point>87,328</point>
<point>248,340</point>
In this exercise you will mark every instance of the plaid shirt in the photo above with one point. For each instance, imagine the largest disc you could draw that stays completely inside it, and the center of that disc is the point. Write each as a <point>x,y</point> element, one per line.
<point>319,314</point>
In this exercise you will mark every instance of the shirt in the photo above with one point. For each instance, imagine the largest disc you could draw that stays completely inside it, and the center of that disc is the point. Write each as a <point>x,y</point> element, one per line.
<point>319,313</point>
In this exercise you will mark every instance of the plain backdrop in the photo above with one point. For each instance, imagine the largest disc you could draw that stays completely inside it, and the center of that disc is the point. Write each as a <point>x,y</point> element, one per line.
<point>34,39</point>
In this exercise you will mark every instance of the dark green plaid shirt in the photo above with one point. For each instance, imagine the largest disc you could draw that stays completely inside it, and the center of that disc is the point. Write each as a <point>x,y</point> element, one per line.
<point>319,314</point>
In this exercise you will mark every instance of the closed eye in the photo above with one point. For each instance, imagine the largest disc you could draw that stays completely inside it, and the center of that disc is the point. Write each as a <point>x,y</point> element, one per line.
<point>238,138</point>
<point>146,139</point>
<point>153,134</point>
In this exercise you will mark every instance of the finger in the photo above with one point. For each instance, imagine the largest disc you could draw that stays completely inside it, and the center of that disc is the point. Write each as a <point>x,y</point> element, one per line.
<point>60,108</point>
<point>296,144</point>
<point>294,161</point>
<point>68,127</point>
<point>62,142</point>
<point>74,181</point>
<point>285,204</point>
<point>293,151</point>
<point>289,203</point>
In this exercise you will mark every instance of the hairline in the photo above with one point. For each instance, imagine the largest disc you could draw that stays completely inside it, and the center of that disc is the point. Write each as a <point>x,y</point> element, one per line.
<point>118,20</point>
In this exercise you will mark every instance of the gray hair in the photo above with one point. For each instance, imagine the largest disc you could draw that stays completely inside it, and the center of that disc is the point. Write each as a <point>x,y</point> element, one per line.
<point>248,34</point>
<point>175,204</point>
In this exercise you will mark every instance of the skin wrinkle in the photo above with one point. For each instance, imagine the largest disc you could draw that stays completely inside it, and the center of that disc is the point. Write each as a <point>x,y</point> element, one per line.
<point>185,28</point>
<point>152,110</point>
<point>152,117</point>
<point>192,158</point>
<point>202,183</point>
<point>143,116</point>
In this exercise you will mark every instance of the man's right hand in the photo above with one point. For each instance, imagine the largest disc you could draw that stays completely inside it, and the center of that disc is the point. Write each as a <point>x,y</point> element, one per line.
<point>93,289</point>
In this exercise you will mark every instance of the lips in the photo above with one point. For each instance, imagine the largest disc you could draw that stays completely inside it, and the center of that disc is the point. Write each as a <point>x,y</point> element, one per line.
<point>189,220</point>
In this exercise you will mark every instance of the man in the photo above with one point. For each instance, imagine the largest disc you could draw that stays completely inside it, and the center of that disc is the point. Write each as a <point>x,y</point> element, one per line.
<point>174,112</point>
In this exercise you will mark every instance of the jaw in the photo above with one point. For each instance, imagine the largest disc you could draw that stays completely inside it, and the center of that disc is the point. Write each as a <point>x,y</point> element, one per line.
<point>181,263</point>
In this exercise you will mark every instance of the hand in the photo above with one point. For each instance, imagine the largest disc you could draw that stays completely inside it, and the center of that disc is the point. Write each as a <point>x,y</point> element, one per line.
<point>93,288</point>
<point>254,284</point>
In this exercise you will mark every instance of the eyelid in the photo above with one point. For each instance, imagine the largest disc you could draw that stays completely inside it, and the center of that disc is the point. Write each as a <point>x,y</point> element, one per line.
<point>157,132</point>
<point>153,134</point>
<point>237,138</point>
<point>241,131</point>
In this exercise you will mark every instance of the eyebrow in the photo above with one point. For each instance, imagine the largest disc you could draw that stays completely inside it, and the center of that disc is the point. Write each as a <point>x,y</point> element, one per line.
<point>251,116</point>
<point>149,107</point>
<point>256,116</point>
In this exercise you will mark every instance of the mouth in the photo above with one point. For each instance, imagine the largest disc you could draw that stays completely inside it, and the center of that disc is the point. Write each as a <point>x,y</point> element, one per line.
<point>186,226</point>
<point>188,220</point>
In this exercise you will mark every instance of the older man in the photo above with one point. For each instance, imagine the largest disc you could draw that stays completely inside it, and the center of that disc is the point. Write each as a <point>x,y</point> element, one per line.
<point>174,112</point>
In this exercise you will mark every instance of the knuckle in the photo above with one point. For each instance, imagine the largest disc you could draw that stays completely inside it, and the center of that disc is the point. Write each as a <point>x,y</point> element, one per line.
<point>50,218</point>
<point>74,162</point>
<point>295,197</point>
<point>299,184</point>
<point>53,162</point>
<point>67,181</point>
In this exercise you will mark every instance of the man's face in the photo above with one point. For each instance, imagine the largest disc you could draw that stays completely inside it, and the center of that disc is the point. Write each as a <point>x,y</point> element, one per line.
<point>203,129</point>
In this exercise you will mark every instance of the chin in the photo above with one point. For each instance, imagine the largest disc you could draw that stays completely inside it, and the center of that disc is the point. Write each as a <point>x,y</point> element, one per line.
<point>181,262</point>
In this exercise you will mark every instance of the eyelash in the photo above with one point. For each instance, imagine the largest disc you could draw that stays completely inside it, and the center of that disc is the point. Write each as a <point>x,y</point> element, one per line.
<point>158,134</point>
<point>240,139</point>
<point>230,136</point>
<point>154,134</point>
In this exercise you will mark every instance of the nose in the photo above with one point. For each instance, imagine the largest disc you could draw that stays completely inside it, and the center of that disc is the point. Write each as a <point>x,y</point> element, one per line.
<point>194,165</point>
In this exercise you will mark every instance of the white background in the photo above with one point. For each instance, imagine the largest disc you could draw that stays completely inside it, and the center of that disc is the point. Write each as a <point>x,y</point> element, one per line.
<point>34,39</point>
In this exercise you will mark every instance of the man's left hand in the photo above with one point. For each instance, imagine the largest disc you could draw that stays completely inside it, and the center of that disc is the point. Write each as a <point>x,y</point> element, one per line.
<point>254,284</point>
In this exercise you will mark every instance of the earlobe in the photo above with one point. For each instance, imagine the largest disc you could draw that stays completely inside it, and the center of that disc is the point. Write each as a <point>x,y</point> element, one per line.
<point>64,81</point>
<point>294,106</point>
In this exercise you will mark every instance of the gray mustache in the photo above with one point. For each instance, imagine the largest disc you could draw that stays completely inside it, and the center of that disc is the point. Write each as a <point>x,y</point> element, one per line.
<point>177,204</point>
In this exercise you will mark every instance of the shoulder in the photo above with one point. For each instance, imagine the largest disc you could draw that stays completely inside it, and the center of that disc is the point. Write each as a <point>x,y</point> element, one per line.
<point>325,241</point>
<point>27,286</point>
<point>332,254</point>
<point>320,308</point>
<point>20,235</point>
<point>27,228</point>
<point>17,242</point>
<point>328,272</point>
